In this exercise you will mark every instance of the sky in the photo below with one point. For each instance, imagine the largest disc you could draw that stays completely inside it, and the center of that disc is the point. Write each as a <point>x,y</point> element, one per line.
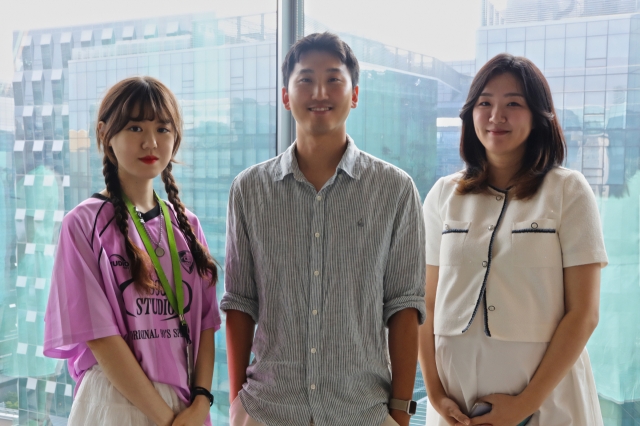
<point>444,29</point>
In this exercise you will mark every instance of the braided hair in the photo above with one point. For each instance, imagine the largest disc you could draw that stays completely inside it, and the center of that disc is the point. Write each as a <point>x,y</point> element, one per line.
<point>138,99</point>
<point>139,260</point>
<point>204,262</point>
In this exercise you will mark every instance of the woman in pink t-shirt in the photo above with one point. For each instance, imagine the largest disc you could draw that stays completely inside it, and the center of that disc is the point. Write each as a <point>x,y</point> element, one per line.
<point>132,304</point>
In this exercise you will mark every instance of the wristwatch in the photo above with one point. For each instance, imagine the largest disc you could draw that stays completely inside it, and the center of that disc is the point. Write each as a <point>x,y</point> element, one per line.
<point>408,407</point>
<point>197,390</point>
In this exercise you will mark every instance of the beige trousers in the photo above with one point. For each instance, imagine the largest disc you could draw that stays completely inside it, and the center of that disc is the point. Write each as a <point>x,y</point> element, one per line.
<point>238,416</point>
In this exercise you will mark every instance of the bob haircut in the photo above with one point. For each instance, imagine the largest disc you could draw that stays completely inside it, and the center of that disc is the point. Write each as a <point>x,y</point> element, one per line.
<point>545,145</point>
<point>321,42</point>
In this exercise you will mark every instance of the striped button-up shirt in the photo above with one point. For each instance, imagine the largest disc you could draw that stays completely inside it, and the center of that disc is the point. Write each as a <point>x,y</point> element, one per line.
<point>321,273</point>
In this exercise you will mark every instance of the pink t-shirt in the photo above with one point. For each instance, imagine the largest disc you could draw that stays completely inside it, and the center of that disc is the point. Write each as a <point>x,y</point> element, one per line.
<point>93,296</point>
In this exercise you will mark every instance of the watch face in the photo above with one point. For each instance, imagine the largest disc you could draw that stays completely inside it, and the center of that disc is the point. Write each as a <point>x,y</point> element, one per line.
<point>412,407</point>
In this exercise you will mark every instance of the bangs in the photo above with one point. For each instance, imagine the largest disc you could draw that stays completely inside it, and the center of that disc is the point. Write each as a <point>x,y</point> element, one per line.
<point>144,103</point>
<point>137,99</point>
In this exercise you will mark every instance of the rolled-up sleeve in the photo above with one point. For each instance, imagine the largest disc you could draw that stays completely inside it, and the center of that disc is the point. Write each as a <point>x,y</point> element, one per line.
<point>405,271</point>
<point>240,287</point>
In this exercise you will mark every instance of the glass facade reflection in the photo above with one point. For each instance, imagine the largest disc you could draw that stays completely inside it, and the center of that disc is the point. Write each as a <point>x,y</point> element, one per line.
<point>223,72</point>
<point>8,331</point>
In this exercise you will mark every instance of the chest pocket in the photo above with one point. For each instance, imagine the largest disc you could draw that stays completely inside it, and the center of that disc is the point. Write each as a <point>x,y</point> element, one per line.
<point>454,234</point>
<point>535,243</point>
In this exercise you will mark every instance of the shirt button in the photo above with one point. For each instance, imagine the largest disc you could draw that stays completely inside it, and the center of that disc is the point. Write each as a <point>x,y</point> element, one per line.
<point>319,197</point>
<point>314,312</point>
<point>313,350</point>
<point>491,227</point>
<point>492,308</point>
<point>534,225</point>
<point>313,387</point>
<point>317,235</point>
<point>499,197</point>
<point>316,273</point>
<point>484,263</point>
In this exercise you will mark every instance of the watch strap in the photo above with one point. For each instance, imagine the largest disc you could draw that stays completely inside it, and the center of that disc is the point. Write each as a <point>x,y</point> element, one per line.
<point>197,390</point>
<point>408,407</point>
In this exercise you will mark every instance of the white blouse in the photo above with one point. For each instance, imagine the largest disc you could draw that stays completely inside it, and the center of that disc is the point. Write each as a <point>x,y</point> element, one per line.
<point>506,256</point>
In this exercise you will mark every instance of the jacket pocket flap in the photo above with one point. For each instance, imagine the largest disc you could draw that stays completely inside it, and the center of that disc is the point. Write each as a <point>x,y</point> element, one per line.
<point>547,226</point>
<point>453,226</point>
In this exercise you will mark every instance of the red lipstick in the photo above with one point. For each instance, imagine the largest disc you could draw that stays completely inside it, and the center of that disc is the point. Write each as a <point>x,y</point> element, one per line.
<point>149,159</point>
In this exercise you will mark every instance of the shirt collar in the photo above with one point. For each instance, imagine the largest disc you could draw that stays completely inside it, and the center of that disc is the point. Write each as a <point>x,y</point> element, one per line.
<point>350,162</point>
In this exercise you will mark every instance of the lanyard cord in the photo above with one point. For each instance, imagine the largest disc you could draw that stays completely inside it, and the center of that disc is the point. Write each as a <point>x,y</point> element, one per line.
<point>175,299</point>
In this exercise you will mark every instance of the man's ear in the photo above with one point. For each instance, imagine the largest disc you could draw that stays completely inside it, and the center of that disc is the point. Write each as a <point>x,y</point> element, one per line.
<point>285,99</point>
<point>354,96</point>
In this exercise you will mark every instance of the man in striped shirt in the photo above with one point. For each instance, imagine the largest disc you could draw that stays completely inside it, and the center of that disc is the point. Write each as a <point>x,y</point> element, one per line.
<point>325,251</point>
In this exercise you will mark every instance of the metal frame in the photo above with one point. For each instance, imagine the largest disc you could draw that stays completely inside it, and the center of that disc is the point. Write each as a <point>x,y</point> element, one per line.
<point>290,29</point>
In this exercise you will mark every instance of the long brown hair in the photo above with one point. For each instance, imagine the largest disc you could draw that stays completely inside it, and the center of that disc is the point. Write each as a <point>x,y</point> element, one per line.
<point>545,145</point>
<point>147,98</point>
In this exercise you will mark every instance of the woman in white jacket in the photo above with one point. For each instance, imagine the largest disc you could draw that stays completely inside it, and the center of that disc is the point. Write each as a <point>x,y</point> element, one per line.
<point>514,251</point>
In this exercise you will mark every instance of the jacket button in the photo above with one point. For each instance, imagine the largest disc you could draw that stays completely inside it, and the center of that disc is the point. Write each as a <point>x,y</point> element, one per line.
<point>534,225</point>
<point>446,227</point>
<point>484,263</point>
<point>492,308</point>
<point>491,227</point>
<point>499,197</point>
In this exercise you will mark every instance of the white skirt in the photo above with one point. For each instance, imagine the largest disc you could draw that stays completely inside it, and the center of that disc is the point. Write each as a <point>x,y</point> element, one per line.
<point>99,403</point>
<point>473,365</point>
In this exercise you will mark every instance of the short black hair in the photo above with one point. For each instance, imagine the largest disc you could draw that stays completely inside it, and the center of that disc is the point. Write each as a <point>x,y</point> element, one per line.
<point>322,42</point>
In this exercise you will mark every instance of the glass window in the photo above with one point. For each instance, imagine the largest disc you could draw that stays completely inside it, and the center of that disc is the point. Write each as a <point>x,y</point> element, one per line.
<point>575,52</point>
<point>620,26</point>
<point>221,62</point>
<point>617,81</point>
<point>595,83</point>
<point>593,156</point>
<point>497,36</point>
<point>554,55</point>
<point>615,114</point>
<point>250,73</point>
<point>594,123</point>
<point>597,28</point>
<point>556,84</point>
<point>618,50</point>
<point>594,102</point>
<point>596,47</point>
<point>596,63</point>
<point>555,31</point>
<point>481,55</point>
<point>494,48</point>
<point>516,34</point>
<point>535,33</point>
<point>481,36</point>
<point>128,32</point>
<point>534,50</point>
<point>578,29</point>
<point>516,48</point>
<point>574,84</point>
